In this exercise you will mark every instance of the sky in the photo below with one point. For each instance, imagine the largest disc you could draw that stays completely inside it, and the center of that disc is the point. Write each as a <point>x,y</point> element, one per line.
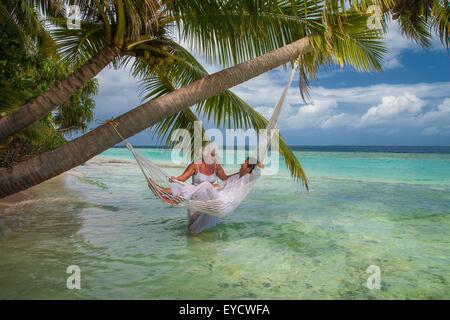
<point>407,104</point>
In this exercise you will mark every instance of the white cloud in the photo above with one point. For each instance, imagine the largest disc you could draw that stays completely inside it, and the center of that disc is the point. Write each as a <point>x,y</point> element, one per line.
<point>266,89</point>
<point>430,131</point>
<point>112,80</point>
<point>445,105</point>
<point>372,94</point>
<point>425,106</point>
<point>310,115</point>
<point>408,111</point>
<point>339,120</point>
<point>392,110</point>
<point>392,62</point>
<point>306,116</point>
<point>118,92</point>
<point>384,107</point>
<point>397,44</point>
<point>266,112</point>
<point>438,118</point>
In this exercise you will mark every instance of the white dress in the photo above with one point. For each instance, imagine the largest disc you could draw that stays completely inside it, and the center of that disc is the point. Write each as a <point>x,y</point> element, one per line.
<point>201,189</point>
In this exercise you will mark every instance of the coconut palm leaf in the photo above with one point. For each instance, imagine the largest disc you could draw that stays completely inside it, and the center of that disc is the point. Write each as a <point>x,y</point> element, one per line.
<point>354,45</point>
<point>224,110</point>
<point>22,19</point>
<point>418,19</point>
<point>76,46</point>
<point>418,31</point>
<point>351,45</point>
<point>230,32</point>
<point>440,13</point>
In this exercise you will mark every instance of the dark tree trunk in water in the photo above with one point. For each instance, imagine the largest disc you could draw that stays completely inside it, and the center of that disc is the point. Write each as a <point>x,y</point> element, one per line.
<point>58,94</point>
<point>52,163</point>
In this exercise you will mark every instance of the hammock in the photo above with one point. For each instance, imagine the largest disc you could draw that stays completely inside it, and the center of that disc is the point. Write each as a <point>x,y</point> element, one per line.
<point>232,193</point>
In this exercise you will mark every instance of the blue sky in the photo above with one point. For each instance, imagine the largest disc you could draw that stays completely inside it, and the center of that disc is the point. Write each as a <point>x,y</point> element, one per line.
<point>407,104</point>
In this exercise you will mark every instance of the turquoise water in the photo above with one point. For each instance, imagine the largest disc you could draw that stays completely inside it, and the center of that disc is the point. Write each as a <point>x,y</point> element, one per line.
<point>391,210</point>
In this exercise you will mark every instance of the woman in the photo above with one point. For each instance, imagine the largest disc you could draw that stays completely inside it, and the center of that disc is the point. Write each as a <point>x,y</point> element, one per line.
<point>205,172</point>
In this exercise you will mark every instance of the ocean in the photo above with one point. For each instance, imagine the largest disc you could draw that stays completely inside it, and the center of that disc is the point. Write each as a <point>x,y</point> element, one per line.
<point>368,208</point>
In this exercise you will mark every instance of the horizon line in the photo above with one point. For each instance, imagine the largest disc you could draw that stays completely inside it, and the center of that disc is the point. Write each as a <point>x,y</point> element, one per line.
<point>314,145</point>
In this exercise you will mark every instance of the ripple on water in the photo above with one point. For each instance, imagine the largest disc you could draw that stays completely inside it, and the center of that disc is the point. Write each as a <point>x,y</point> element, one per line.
<point>282,242</point>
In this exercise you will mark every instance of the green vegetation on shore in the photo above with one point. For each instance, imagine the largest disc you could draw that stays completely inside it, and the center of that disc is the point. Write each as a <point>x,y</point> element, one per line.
<point>26,72</point>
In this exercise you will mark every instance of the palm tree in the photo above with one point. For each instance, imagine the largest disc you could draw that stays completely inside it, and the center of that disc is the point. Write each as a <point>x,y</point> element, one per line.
<point>418,19</point>
<point>20,19</point>
<point>29,66</point>
<point>324,43</point>
<point>328,40</point>
<point>228,32</point>
<point>119,22</point>
<point>49,164</point>
<point>327,37</point>
<point>306,17</point>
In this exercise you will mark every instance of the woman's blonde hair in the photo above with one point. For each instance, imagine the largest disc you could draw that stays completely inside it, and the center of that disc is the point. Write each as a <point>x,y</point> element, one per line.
<point>209,153</point>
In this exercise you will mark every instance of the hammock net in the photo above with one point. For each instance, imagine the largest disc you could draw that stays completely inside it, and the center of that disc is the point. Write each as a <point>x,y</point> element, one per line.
<point>231,193</point>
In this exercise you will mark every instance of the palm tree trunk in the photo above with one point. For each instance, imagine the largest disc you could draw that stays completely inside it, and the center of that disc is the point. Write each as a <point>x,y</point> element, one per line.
<point>58,94</point>
<point>51,163</point>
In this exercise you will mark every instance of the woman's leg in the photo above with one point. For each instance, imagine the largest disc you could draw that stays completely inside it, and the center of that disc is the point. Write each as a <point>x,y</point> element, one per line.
<point>166,195</point>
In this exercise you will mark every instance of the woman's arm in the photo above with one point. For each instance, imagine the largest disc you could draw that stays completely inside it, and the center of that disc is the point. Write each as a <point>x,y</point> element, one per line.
<point>190,170</point>
<point>221,173</point>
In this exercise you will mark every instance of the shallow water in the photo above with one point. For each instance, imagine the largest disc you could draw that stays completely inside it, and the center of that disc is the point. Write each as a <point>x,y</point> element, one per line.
<point>386,209</point>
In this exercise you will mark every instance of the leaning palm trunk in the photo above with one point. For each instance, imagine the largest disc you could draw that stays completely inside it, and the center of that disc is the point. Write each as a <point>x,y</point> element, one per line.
<point>51,163</point>
<point>58,94</point>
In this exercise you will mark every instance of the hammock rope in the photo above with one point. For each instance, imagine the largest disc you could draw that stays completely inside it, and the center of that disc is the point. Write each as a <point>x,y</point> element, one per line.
<point>231,195</point>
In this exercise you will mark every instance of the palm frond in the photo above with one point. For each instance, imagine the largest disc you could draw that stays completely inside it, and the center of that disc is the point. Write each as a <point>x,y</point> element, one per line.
<point>230,32</point>
<point>76,46</point>
<point>53,8</point>
<point>224,110</point>
<point>418,19</point>
<point>417,31</point>
<point>441,21</point>
<point>349,42</point>
<point>22,18</point>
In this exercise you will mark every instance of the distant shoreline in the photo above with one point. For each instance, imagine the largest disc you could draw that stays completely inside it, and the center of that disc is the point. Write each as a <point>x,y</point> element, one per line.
<point>348,148</point>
